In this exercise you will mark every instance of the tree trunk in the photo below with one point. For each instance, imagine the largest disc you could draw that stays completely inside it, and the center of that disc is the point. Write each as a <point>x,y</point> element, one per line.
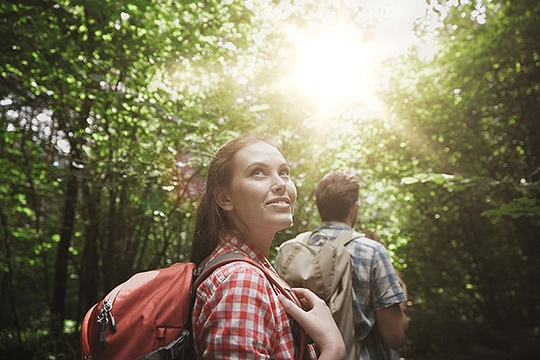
<point>62,257</point>
<point>89,280</point>
<point>7,282</point>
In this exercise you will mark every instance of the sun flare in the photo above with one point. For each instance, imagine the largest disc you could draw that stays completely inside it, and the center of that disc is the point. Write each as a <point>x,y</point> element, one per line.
<point>332,67</point>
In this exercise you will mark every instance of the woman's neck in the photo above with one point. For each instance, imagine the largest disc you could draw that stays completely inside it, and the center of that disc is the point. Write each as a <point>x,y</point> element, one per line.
<point>261,240</point>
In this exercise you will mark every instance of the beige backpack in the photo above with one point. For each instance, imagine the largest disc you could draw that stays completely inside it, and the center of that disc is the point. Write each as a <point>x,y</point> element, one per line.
<point>325,269</point>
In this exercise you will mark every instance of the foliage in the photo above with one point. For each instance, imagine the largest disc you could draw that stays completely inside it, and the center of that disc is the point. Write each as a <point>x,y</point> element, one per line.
<point>469,140</point>
<point>107,114</point>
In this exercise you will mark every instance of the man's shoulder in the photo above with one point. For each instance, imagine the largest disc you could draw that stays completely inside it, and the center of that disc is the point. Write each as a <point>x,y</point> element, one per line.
<point>363,240</point>
<point>367,248</point>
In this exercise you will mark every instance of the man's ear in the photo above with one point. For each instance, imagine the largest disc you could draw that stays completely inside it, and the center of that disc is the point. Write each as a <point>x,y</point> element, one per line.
<point>222,199</point>
<point>353,214</point>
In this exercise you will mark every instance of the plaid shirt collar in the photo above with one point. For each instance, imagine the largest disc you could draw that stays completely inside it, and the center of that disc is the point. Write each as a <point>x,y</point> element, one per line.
<point>332,229</point>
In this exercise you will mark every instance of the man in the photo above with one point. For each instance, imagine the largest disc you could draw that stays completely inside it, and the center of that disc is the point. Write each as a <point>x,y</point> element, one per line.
<point>379,321</point>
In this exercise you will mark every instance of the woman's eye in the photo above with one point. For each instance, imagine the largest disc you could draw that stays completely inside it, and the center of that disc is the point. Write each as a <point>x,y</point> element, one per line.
<point>284,173</point>
<point>257,172</point>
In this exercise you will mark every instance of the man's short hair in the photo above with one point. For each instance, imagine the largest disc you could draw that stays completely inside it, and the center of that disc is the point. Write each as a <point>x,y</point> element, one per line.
<point>335,194</point>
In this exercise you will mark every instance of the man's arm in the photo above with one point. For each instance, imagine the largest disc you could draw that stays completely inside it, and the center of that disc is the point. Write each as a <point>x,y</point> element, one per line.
<point>392,324</point>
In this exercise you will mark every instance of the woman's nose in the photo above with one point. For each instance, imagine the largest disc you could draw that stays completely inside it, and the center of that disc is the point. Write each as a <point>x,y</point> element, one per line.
<point>279,184</point>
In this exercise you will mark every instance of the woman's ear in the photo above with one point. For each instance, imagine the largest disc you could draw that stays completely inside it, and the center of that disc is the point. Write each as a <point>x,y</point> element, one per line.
<point>222,199</point>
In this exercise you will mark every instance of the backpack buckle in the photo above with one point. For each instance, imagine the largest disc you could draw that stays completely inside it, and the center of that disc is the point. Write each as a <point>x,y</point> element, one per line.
<point>175,348</point>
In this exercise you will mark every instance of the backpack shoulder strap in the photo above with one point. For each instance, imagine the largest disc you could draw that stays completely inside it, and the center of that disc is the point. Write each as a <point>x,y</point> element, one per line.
<point>304,237</point>
<point>347,236</point>
<point>200,273</point>
<point>203,270</point>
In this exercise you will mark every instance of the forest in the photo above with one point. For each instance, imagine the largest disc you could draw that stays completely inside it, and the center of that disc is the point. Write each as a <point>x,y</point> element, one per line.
<point>111,110</point>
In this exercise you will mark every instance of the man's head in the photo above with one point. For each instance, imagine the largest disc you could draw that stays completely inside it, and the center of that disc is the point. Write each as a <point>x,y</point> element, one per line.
<point>337,197</point>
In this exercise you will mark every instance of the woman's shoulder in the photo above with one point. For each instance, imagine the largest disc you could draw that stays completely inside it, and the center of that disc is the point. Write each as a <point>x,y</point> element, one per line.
<point>237,274</point>
<point>238,268</point>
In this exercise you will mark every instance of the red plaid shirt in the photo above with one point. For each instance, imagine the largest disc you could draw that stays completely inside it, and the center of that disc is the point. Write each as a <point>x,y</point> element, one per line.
<point>237,314</point>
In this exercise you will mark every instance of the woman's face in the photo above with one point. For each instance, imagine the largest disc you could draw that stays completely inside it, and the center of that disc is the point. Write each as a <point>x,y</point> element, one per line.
<point>260,198</point>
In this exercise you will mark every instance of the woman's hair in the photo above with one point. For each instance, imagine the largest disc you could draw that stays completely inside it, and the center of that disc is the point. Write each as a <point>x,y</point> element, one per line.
<point>211,222</point>
<point>335,194</point>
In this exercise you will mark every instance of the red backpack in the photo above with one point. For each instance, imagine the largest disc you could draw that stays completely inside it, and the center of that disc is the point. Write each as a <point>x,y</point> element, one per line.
<point>149,316</point>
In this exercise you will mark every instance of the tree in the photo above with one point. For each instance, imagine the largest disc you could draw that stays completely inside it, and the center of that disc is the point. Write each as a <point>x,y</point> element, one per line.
<point>469,144</point>
<point>87,87</point>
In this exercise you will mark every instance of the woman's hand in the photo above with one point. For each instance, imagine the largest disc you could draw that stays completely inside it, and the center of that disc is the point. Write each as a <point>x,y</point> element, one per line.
<point>318,323</point>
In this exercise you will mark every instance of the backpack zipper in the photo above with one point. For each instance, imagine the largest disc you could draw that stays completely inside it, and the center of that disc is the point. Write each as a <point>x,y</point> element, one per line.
<point>105,317</point>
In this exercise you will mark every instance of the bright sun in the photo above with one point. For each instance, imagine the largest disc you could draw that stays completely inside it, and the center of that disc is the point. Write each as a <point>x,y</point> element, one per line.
<point>332,67</point>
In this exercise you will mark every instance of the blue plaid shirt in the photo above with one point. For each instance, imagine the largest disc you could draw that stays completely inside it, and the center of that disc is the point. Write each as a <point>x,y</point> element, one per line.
<point>375,286</point>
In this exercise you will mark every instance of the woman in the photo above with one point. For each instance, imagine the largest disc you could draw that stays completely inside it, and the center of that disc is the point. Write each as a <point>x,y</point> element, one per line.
<point>237,314</point>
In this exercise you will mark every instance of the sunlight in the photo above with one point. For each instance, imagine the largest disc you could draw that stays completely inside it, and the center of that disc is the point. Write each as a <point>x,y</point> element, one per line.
<point>337,63</point>
<point>331,67</point>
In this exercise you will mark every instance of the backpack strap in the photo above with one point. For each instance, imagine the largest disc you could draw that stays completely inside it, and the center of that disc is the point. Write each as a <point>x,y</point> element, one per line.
<point>279,285</point>
<point>343,239</point>
<point>171,351</point>
<point>347,236</point>
<point>304,237</point>
<point>205,269</point>
<point>184,343</point>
